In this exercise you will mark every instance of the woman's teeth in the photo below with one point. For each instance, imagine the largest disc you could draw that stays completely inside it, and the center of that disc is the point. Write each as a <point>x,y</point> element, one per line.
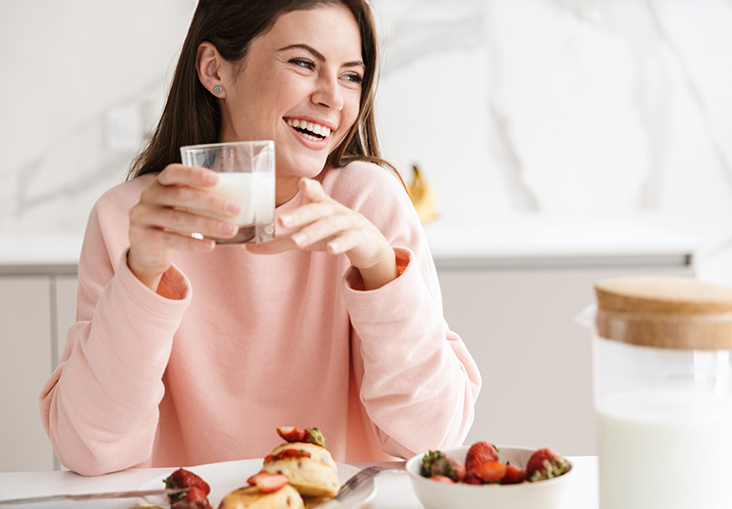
<point>309,130</point>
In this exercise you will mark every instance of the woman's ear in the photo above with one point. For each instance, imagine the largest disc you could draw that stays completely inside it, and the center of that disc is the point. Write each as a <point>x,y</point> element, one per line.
<point>209,65</point>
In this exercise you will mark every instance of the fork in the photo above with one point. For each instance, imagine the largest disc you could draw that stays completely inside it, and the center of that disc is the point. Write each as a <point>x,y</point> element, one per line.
<point>357,481</point>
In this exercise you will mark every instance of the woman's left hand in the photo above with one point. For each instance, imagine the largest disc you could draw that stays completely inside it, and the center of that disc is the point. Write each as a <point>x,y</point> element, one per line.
<point>323,224</point>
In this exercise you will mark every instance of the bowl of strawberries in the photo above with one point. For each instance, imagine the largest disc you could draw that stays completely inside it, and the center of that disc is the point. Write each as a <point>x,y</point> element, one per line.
<point>483,475</point>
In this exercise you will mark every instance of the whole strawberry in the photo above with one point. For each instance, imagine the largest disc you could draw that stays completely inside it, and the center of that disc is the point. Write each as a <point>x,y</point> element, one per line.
<point>513,475</point>
<point>545,464</point>
<point>438,463</point>
<point>197,490</point>
<point>479,454</point>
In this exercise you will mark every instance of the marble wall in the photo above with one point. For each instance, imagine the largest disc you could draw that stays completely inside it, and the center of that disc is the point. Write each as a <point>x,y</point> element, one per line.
<point>566,108</point>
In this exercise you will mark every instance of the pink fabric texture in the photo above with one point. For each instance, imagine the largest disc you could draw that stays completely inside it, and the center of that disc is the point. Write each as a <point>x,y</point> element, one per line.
<point>241,344</point>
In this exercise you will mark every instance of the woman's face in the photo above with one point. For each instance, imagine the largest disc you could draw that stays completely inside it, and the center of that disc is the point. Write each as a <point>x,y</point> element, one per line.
<point>299,85</point>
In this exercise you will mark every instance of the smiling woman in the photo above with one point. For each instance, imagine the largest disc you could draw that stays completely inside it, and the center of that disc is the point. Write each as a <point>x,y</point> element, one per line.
<point>184,354</point>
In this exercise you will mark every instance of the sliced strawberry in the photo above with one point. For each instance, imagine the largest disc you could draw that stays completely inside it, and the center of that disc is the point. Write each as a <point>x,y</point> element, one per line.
<point>514,475</point>
<point>311,435</point>
<point>291,434</point>
<point>545,464</point>
<point>266,482</point>
<point>287,453</point>
<point>479,453</point>
<point>442,479</point>
<point>490,471</point>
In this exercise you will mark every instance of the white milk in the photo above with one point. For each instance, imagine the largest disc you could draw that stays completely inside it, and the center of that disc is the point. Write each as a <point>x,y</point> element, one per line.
<point>665,450</point>
<point>253,191</point>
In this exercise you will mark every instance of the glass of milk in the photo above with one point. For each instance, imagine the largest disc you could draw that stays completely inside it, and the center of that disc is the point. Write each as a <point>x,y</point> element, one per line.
<point>246,175</point>
<point>663,393</point>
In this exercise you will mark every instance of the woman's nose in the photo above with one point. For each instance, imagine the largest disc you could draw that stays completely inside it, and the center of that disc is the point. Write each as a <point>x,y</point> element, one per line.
<point>327,92</point>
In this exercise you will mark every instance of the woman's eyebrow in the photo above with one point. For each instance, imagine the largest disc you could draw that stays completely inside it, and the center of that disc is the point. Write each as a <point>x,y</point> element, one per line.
<point>318,55</point>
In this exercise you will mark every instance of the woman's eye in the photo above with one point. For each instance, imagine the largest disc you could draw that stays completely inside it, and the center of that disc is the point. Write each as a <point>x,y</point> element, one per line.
<point>301,62</point>
<point>355,78</point>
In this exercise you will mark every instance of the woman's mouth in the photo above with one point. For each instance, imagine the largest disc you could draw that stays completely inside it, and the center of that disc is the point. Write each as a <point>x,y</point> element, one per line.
<point>309,130</point>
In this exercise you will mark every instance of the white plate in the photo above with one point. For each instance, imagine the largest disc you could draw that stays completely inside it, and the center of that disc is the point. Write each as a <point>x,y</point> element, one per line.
<point>227,476</point>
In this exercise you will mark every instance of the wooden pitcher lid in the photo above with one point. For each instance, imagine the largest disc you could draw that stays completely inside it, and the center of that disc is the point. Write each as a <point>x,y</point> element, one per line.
<point>665,312</point>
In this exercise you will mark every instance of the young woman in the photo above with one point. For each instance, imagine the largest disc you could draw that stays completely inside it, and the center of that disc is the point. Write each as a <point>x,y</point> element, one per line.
<point>185,353</point>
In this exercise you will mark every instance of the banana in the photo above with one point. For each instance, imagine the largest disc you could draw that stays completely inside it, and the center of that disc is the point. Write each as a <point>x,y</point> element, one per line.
<point>423,196</point>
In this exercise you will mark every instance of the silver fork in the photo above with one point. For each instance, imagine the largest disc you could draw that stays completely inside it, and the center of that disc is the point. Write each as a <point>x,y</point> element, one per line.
<point>357,481</point>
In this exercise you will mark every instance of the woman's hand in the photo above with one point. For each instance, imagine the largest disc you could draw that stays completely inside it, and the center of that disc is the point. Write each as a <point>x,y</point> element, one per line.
<point>163,220</point>
<point>323,224</point>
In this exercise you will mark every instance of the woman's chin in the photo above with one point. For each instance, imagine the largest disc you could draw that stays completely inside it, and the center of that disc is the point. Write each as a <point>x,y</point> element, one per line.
<point>302,167</point>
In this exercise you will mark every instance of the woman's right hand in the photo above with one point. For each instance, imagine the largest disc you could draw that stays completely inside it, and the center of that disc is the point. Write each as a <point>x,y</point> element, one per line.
<point>164,221</point>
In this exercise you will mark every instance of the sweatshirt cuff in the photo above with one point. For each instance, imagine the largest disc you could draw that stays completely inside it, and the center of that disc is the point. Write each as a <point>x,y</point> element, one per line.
<point>175,284</point>
<point>391,299</point>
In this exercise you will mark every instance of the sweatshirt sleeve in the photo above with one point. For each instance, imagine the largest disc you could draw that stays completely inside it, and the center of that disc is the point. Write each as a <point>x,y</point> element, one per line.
<point>414,372</point>
<point>100,406</point>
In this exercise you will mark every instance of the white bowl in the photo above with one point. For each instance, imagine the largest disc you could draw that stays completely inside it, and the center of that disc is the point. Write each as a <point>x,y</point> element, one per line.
<point>547,494</point>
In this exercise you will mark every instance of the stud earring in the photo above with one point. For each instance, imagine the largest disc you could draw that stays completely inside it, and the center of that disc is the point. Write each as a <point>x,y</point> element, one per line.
<point>218,89</point>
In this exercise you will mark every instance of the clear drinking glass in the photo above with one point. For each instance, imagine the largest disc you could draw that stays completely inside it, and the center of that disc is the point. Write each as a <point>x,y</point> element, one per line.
<point>246,175</point>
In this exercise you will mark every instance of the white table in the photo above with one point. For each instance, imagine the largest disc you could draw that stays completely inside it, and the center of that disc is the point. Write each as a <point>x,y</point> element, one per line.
<point>393,489</point>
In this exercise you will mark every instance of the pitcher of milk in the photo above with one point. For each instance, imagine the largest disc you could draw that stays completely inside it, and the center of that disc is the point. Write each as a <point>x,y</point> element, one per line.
<point>663,393</point>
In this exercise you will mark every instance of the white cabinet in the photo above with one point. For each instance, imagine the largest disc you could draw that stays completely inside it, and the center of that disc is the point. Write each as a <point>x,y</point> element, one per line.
<point>37,305</point>
<point>35,313</point>
<point>25,365</point>
<point>512,291</point>
<point>536,362</point>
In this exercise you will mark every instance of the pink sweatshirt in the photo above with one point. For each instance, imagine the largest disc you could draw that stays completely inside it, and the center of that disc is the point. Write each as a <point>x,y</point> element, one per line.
<point>239,344</point>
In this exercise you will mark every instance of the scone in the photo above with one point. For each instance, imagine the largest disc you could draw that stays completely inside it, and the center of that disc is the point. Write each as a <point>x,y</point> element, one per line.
<point>252,497</point>
<point>309,468</point>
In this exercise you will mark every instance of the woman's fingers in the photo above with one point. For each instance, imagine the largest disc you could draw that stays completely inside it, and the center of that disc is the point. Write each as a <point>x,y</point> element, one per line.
<point>152,237</point>
<point>279,244</point>
<point>198,199</point>
<point>312,191</point>
<point>316,234</point>
<point>176,212</point>
<point>177,174</point>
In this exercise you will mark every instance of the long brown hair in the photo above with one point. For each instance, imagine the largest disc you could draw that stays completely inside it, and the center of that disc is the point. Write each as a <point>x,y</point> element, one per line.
<point>192,114</point>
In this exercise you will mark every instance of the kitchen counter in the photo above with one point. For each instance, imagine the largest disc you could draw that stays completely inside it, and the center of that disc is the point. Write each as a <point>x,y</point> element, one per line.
<point>523,241</point>
<point>538,242</point>
<point>39,254</point>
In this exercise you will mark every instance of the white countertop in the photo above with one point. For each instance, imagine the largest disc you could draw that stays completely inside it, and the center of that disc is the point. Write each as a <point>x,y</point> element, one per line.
<point>511,242</point>
<point>535,241</point>
<point>54,253</point>
<point>393,490</point>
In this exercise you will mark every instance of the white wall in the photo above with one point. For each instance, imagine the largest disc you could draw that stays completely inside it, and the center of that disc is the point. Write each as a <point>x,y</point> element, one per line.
<point>553,107</point>
<point>567,108</point>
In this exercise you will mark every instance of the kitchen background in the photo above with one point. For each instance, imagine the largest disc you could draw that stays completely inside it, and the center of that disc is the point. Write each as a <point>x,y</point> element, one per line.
<point>539,112</point>
<point>569,108</point>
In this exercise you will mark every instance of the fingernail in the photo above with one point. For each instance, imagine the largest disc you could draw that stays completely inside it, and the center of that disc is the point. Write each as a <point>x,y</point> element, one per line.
<point>233,207</point>
<point>299,238</point>
<point>286,220</point>
<point>228,228</point>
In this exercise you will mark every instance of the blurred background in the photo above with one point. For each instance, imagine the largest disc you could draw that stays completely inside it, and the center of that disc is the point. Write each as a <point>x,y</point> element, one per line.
<point>565,140</point>
<point>539,107</point>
